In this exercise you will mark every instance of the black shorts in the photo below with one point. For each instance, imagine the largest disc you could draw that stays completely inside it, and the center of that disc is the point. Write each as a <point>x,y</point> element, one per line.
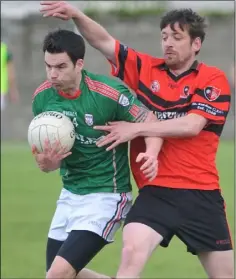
<point>197,217</point>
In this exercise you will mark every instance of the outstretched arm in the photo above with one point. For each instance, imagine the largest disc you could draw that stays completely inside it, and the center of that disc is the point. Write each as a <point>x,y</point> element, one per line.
<point>187,126</point>
<point>125,61</point>
<point>93,32</point>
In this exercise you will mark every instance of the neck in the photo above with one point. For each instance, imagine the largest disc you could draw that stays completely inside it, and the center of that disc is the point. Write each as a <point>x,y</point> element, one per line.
<point>71,91</point>
<point>178,70</point>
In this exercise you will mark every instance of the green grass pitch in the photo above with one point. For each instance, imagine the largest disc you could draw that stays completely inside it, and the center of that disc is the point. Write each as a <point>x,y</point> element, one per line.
<point>28,203</point>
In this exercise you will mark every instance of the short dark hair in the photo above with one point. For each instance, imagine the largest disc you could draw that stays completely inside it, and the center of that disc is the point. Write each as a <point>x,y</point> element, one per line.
<point>186,18</point>
<point>60,41</point>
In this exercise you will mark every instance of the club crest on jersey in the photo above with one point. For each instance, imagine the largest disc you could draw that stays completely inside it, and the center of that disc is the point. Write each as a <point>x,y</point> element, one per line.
<point>211,93</point>
<point>155,86</point>
<point>88,119</point>
<point>123,100</point>
<point>185,93</point>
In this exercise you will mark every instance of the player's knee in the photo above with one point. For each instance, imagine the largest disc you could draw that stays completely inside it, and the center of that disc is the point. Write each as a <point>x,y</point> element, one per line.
<point>54,274</point>
<point>127,253</point>
<point>228,273</point>
<point>132,256</point>
<point>58,273</point>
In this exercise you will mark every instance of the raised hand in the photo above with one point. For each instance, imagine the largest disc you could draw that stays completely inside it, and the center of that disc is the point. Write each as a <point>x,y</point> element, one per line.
<point>58,9</point>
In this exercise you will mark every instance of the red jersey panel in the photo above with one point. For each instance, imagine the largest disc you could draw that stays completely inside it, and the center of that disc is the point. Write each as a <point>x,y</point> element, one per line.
<point>183,162</point>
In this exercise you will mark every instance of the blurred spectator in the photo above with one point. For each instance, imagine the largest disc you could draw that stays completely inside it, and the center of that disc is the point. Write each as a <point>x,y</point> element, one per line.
<point>232,81</point>
<point>8,78</point>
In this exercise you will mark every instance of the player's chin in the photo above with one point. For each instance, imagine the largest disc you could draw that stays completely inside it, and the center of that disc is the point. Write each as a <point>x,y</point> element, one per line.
<point>171,62</point>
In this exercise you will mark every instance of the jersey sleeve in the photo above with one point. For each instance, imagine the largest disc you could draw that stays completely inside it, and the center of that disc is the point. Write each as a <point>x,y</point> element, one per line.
<point>212,101</point>
<point>128,65</point>
<point>129,108</point>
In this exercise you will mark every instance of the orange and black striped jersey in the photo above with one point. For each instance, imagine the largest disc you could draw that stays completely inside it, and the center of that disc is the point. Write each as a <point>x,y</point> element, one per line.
<point>204,90</point>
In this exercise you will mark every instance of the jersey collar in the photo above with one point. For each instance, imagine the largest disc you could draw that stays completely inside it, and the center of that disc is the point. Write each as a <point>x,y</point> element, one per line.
<point>78,92</point>
<point>71,97</point>
<point>194,66</point>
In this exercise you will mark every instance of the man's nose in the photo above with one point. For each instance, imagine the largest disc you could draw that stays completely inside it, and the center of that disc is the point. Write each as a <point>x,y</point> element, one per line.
<point>54,73</point>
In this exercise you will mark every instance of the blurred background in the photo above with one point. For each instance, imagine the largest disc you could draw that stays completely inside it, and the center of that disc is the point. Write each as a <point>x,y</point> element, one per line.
<point>28,196</point>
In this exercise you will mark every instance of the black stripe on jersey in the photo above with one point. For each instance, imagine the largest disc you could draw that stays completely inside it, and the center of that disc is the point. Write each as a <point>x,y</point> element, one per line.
<point>220,99</point>
<point>166,113</point>
<point>209,109</point>
<point>158,100</point>
<point>122,56</point>
<point>139,64</point>
<point>214,128</point>
<point>184,108</point>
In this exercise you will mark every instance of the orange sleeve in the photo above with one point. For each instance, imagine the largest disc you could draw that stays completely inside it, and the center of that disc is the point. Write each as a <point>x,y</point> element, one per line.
<point>128,65</point>
<point>212,101</point>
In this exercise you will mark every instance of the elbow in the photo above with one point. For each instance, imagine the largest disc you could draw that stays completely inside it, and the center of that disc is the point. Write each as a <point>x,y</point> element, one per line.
<point>192,130</point>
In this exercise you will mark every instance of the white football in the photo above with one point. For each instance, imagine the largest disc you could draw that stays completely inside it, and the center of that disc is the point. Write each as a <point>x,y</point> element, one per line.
<point>54,126</point>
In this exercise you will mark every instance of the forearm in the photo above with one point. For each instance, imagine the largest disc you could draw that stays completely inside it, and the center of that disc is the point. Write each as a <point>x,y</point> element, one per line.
<point>186,126</point>
<point>153,145</point>
<point>94,33</point>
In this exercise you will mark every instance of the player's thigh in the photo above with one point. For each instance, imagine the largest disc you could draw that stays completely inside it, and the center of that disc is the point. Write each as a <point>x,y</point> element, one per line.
<point>53,246</point>
<point>139,241</point>
<point>76,252</point>
<point>140,238</point>
<point>152,220</point>
<point>101,213</point>
<point>156,216</point>
<point>218,264</point>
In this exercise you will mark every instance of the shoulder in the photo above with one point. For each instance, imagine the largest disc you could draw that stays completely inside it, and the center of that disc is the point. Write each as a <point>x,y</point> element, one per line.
<point>46,85</point>
<point>213,80</point>
<point>210,72</point>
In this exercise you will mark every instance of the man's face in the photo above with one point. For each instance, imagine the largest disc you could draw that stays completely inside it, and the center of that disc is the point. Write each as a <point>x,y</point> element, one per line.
<point>61,71</point>
<point>177,46</point>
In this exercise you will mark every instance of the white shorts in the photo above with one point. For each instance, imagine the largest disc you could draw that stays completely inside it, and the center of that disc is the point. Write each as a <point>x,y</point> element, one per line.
<point>101,213</point>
